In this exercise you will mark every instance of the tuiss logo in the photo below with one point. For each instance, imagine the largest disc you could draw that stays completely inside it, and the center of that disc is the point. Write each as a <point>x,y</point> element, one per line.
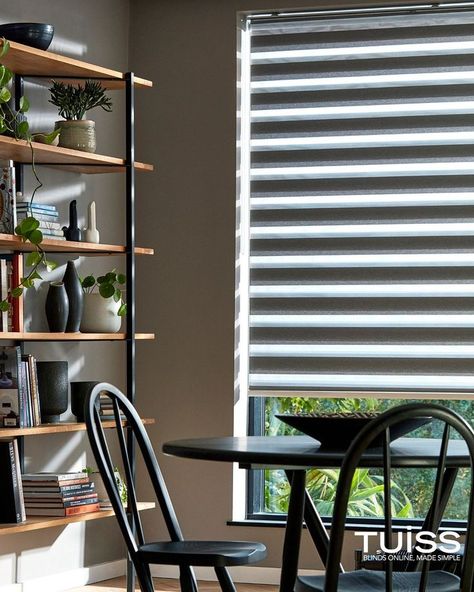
<point>426,545</point>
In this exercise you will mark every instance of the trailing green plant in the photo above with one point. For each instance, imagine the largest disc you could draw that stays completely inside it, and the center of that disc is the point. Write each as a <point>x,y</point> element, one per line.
<point>109,285</point>
<point>73,101</point>
<point>15,123</point>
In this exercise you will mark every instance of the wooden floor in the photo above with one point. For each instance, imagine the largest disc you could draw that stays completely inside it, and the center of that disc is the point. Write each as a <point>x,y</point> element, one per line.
<point>162,585</point>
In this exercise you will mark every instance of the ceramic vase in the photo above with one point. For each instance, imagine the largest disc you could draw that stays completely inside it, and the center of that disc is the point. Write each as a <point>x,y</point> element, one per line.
<point>75,295</point>
<point>100,315</point>
<point>91,234</point>
<point>72,232</point>
<point>57,307</point>
<point>52,389</point>
<point>77,134</point>
<point>79,392</point>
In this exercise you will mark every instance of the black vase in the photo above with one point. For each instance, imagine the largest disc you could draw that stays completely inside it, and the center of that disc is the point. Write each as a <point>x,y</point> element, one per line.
<point>79,392</point>
<point>57,307</point>
<point>72,232</point>
<point>52,389</point>
<point>75,295</point>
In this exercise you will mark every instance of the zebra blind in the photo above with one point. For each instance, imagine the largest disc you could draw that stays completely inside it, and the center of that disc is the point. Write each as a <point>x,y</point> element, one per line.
<point>362,204</point>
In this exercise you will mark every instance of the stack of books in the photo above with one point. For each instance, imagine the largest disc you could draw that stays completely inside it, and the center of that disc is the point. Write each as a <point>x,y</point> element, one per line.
<point>46,215</point>
<point>106,410</point>
<point>19,397</point>
<point>59,494</point>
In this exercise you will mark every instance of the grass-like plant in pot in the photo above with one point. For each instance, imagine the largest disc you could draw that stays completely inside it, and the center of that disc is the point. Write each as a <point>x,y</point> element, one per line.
<point>104,304</point>
<point>73,101</point>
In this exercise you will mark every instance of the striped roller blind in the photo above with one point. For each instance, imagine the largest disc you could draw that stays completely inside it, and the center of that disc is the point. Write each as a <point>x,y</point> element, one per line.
<point>362,203</point>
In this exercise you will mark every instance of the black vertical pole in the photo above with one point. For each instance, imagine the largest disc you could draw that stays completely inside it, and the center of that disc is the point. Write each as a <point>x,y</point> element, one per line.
<point>130,270</point>
<point>18,93</point>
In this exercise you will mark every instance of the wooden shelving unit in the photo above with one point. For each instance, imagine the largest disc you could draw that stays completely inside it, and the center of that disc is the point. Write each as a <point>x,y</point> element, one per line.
<point>75,161</point>
<point>28,61</point>
<point>11,242</point>
<point>40,522</point>
<point>38,336</point>
<point>59,428</point>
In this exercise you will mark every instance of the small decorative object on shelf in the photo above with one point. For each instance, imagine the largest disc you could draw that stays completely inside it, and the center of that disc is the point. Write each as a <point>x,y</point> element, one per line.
<point>57,307</point>
<point>72,232</point>
<point>75,296</point>
<point>73,101</point>
<point>53,390</point>
<point>91,234</point>
<point>7,198</point>
<point>79,392</point>
<point>10,388</point>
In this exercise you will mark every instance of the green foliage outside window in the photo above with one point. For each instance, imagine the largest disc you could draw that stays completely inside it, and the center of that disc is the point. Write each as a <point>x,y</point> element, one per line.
<point>411,488</point>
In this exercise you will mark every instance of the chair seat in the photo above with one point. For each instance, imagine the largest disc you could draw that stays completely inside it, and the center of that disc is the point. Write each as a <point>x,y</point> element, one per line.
<point>210,553</point>
<point>374,581</point>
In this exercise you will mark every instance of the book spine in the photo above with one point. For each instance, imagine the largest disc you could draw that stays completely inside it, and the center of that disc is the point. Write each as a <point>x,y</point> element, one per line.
<point>4,291</point>
<point>82,509</point>
<point>39,216</point>
<point>36,206</point>
<point>19,485</point>
<point>16,478</point>
<point>50,226</point>
<point>62,503</point>
<point>34,391</point>
<point>17,303</point>
<point>23,394</point>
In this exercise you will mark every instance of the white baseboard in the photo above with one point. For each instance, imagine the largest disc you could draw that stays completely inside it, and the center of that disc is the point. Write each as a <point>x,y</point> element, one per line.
<point>70,579</point>
<point>247,574</point>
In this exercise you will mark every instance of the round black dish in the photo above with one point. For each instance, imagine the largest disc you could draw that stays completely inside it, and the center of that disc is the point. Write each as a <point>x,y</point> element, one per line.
<point>38,35</point>
<point>339,430</point>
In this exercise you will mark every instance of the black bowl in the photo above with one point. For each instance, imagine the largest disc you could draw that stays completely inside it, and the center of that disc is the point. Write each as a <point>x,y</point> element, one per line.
<point>38,35</point>
<point>337,431</point>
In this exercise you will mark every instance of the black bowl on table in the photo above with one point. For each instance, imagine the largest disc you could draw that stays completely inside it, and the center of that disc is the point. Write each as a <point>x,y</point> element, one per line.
<point>38,35</point>
<point>338,430</point>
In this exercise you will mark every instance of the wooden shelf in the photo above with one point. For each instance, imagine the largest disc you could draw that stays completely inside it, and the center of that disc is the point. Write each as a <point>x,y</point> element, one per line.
<point>40,522</point>
<point>29,61</point>
<point>76,161</point>
<point>59,428</point>
<point>14,243</point>
<point>37,336</point>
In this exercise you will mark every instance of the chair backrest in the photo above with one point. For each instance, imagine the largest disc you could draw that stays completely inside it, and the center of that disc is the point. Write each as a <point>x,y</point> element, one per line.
<point>381,426</point>
<point>134,433</point>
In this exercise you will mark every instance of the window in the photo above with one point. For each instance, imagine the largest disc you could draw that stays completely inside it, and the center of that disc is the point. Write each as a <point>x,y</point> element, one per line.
<point>356,225</point>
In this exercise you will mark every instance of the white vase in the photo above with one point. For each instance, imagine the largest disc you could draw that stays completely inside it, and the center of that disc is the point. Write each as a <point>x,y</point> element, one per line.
<point>77,134</point>
<point>100,315</point>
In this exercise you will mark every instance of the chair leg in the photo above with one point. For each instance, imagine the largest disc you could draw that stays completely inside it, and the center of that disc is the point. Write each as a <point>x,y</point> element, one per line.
<point>144,578</point>
<point>187,579</point>
<point>227,585</point>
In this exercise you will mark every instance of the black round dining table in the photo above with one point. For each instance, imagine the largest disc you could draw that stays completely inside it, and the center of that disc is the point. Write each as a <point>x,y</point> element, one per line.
<point>297,454</point>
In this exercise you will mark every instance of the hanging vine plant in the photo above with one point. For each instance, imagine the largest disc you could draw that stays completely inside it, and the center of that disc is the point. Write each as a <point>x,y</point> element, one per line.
<point>14,123</point>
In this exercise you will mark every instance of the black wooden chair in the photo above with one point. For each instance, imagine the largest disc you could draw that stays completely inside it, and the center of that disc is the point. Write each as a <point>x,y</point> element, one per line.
<point>176,551</point>
<point>421,578</point>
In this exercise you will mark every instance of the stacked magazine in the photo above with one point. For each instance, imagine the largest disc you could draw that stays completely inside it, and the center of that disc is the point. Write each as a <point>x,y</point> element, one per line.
<point>47,216</point>
<point>59,494</point>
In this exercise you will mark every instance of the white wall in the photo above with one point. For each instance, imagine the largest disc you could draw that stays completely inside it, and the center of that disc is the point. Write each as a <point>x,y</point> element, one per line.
<point>95,31</point>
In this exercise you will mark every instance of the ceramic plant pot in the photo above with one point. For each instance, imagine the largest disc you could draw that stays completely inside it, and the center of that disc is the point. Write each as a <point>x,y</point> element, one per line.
<point>75,295</point>
<point>100,315</point>
<point>77,134</point>
<point>57,307</point>
<point>52,389</point>
<point>79,392</point>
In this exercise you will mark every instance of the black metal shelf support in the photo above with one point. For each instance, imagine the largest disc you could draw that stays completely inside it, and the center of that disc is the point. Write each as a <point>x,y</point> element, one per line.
<point>130,267</point>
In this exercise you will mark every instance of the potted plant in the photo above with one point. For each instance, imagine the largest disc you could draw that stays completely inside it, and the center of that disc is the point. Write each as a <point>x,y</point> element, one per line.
<point>72,102</point>
<point>104,304</point>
